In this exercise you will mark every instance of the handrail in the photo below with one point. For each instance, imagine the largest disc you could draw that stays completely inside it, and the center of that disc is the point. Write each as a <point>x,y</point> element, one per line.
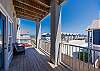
<point>45,41</point>
<point>45,46</point>
<point>85,57</point>
<point>80,46</point>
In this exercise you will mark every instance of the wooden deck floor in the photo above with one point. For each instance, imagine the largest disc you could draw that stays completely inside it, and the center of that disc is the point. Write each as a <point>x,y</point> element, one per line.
<point>33,60</point>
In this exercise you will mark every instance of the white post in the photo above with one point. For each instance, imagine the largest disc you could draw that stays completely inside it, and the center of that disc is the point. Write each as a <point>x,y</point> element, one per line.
<point>59,29</point>
<point>18,31</point>
<point>38,34</point>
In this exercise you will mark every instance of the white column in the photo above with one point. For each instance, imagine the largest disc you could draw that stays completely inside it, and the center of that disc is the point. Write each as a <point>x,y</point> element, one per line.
<point>59,36</point>
<point>18,31</point>
<point>38,34</point>
<point>55,31</point>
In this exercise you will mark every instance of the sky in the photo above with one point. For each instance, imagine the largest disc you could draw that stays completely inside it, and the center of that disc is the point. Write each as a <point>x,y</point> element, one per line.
<point>28,25</point>
<point>76,16</point>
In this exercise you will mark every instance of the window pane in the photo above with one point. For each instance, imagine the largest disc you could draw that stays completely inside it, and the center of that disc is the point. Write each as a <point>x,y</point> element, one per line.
<point>9,36</point>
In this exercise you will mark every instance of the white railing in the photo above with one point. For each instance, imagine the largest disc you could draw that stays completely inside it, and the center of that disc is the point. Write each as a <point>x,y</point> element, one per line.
<point>77,58</point>
<point>80,58</point>
<point>45,46</point>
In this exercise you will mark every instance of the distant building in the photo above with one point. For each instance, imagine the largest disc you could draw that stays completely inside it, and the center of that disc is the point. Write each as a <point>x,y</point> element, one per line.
<point>46,36</point>
<point>24,37</point>
<point>65,36</point>
<point>94,33</point>
<point>94,37</point>
<point>73,36</point>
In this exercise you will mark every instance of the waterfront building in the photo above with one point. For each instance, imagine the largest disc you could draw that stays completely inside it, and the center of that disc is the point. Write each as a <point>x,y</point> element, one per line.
<point>94,37</point>
<point>24,37</point>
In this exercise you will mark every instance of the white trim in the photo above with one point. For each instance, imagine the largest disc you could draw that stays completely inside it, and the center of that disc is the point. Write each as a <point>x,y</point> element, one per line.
<point>2,9</point>
<point>94,45</point>
<point>10,20</point>
<point>92,39</point>
<point>45,17</point>
<point>63,2</point>
<point>6,54</point>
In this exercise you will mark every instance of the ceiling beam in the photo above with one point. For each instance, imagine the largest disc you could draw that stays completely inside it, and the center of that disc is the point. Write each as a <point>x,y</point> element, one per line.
<point>22,14</point>
<point>33,5</point>
<point>26,17</point>
<point>42,3</point>
<point>17,8</point>
<point>46,2</point>
<point>25,13</point>
<point>18,4</point>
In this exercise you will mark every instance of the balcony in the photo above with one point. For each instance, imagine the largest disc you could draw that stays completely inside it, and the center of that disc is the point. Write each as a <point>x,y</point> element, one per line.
<point>71,58</point>
<point>74,57</point>
<point>63,57</point>
<point>34,60</point>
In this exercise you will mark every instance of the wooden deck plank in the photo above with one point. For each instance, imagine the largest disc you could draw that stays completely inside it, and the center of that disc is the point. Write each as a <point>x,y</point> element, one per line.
<point>40,62</point>
<point>33,61</point>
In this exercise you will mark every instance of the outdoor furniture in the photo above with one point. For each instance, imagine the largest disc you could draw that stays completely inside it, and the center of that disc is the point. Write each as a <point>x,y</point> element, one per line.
<point>19,49</point>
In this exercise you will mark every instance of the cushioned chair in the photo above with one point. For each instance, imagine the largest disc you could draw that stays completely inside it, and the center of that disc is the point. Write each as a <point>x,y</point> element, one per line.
<point>19,49</point>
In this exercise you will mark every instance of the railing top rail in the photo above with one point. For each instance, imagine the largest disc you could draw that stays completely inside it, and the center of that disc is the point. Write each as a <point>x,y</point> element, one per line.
<point>80,47</point>
<point>45,41</point>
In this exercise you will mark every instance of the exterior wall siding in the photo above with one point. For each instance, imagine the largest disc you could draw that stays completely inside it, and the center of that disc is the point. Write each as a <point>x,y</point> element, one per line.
<point>6,7</point>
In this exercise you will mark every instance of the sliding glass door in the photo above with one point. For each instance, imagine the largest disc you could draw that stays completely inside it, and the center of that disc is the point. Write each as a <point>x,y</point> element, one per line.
<point>2,22</point>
